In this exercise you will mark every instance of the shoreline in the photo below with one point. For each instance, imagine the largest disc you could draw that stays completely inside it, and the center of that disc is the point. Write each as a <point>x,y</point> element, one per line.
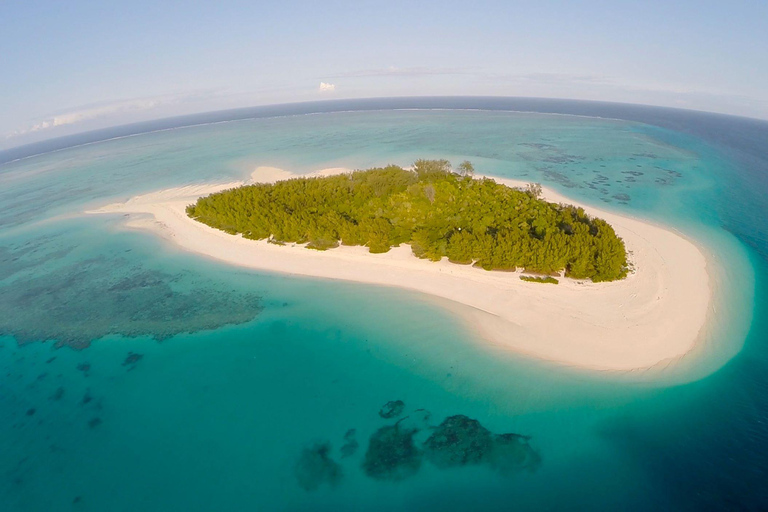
<point>652,317</point>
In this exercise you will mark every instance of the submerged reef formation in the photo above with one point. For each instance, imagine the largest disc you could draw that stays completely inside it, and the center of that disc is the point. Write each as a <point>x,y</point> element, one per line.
<point>392,409</point>
<point>131,359</point>
<point>14,260</point>
<point>316,467</point>
<point>398,451</point>
<point>350,445</point>
<point>74,305</point>
<point>458,441</point>
<point>392,454</point>
<point>461,441</point>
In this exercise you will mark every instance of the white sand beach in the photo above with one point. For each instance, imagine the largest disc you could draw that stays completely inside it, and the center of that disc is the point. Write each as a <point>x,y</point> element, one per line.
<point>653,317</point>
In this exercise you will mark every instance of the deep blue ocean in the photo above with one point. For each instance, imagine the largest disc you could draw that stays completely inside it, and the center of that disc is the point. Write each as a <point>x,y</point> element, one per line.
<point>134,376</point>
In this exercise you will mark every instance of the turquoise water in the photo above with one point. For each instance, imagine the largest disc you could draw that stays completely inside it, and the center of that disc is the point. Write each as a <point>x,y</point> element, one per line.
<point>197,386</point>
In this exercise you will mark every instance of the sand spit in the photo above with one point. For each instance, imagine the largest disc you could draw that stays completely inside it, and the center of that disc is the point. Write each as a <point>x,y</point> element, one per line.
<point>652,317</point>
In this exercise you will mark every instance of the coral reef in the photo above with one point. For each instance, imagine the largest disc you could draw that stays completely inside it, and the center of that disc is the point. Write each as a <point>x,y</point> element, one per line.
<point>315,467</point>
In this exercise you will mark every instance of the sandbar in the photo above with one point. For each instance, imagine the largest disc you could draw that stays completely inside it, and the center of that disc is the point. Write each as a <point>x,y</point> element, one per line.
<point>653,317</point>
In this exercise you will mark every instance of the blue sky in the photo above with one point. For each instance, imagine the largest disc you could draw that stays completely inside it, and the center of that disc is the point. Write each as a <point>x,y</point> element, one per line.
<point>77,65</point>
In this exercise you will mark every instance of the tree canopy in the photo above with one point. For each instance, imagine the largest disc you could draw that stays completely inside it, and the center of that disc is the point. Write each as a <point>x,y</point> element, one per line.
<point>438,212</point>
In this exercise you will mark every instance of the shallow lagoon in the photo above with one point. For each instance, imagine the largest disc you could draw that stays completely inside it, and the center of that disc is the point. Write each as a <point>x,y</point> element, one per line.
<point>219,417</point>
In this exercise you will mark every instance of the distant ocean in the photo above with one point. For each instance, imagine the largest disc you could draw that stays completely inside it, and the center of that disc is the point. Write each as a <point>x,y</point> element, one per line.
<point>198,386</point>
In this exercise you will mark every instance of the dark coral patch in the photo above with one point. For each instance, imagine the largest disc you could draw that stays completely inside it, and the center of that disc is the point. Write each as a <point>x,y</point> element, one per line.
<point>392,454</point>
<point>132,358</point>
<point>58,394</point>
<point>109,296</point>
<point>462,441</point>
<point>350,445</point>
<point>392,409</point>
<point>458,441</point>
<point>315,467</point>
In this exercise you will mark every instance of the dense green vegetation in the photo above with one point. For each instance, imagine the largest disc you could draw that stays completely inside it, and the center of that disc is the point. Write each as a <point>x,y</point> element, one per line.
<point>535,279</point>
<point>438,212</point>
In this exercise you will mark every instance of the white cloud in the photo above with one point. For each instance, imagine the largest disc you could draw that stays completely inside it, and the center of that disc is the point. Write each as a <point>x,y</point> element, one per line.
<point>326,87</point>
<point>94,112</point>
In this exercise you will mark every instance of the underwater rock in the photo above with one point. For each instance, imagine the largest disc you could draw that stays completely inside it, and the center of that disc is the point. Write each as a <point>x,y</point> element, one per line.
<point>461,441</point>
<point>392,454</point>
<point>30,412</point>
<point>349,448</point>
<point>350,445</point>
<point>58,394</point>
<point>132,359</point>
<point>86,397</point>
<point>458,441</point>
<point>511,453</point>
<point>84,367</point>
<point>392,409</point>
<point>315,467</point>
<point>94,422</point>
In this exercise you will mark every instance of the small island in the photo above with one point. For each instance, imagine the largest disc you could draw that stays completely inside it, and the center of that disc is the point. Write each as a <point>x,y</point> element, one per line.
<point>438,212</point>
<point>593,314</point>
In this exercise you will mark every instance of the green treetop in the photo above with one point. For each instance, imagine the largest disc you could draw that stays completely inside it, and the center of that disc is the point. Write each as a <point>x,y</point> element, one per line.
<point>439,213</point>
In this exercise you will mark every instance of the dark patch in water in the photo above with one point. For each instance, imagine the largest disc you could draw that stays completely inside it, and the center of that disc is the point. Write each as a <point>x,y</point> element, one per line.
<point>58,394</point>
<point>104,296</point>
<point>32,254</point>
<point>84,367</point>
<point>392,409</point>
<point>30,412</point>
<point>316,467</point>
<point>94,422</point>
<point>461,441</point>
<point>458,441</point>
<point>560,178</point>
<point>131,359</point>
<point>392,454</point>
<point>538,145</point>
<point>512,453</point>
<point>621,197</point>
<point>350,445</point>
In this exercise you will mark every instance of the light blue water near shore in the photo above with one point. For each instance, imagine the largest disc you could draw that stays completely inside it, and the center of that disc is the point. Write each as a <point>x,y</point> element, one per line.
<point>217,418</point>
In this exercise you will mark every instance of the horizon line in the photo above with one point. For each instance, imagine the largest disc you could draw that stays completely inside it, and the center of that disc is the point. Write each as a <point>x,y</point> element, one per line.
<point>118,131</point>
